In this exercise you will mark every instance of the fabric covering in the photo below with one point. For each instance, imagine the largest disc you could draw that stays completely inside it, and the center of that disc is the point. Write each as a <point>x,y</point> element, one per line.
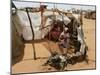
<point>26,32</point>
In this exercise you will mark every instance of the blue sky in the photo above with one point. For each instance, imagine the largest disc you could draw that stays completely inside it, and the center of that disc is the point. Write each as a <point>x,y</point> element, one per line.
<point>51,5</point>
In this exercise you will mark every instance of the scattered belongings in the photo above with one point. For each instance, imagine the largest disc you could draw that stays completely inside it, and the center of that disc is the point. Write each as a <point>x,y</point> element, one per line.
<point>57,61</point>
<point>60,61</point>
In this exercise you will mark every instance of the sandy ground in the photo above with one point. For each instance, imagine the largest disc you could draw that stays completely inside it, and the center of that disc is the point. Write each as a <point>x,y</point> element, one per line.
<point>28,64</point>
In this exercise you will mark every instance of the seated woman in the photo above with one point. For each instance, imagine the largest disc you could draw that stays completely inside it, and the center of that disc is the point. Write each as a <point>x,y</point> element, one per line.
<point>64,41</point>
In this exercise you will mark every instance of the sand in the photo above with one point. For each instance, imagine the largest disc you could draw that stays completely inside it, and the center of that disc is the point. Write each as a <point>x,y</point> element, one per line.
<point>29,65</point>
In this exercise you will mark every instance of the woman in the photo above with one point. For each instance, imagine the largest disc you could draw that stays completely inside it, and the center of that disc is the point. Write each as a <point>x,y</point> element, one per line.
<point>64,41</point>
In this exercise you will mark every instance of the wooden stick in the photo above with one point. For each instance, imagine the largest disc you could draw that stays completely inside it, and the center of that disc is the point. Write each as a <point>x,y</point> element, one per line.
<point>32,33</point>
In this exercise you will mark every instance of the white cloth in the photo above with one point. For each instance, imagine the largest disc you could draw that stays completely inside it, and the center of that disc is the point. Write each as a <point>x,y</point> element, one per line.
<point>36,23</point>
<point>81,40</point>
<point>65,19</point>
<point>65,29</point>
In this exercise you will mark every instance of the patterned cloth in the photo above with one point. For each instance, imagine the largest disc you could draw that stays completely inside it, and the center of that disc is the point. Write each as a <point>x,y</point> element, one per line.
<point>64,40</point>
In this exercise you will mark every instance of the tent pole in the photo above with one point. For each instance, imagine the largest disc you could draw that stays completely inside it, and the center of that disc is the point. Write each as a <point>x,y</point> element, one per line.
<point>34,52</point>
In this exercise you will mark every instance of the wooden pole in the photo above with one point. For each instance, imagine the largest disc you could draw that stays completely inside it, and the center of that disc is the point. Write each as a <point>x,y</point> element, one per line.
<point>32,33</point>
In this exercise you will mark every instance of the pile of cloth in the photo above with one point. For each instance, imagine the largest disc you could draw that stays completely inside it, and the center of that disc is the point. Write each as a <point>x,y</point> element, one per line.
<point>60,61</point>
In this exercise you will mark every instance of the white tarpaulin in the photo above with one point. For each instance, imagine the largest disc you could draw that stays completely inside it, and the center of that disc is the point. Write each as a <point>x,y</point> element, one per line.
<point>36,23</point>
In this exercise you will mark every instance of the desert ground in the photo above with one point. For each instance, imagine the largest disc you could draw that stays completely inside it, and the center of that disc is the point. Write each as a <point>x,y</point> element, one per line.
<point>29,65</point>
